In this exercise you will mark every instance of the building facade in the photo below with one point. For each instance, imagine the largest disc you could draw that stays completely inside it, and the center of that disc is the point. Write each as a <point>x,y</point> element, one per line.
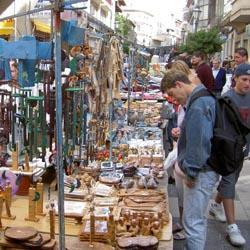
<point>143,22</point>
<point>236,17</point>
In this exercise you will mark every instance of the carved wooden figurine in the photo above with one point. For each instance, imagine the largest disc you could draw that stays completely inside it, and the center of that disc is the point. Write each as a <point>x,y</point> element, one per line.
<point>160,216</point>
<point>145,230</point>
<point>127,218</point>
<point>134,228</point>
<point>141,217</point>
<point>121,228</point>
<point>154,218</point>
<point>156,229</point>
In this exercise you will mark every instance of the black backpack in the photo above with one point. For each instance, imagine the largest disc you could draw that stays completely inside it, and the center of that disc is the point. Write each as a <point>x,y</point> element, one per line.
<point>229,136</point>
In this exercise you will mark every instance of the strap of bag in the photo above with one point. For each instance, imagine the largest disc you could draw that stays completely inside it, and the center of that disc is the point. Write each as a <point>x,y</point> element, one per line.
<point>200,93</point>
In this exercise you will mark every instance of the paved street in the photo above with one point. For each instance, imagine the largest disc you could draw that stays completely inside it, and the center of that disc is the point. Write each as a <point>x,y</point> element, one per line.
<point>216,237</point>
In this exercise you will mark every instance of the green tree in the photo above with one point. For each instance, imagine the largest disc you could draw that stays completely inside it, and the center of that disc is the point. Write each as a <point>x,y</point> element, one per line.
<point>123,25</point>
<point>208,42</point>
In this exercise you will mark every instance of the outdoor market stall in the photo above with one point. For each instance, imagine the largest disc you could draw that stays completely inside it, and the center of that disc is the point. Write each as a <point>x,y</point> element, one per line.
<point>111,190</point>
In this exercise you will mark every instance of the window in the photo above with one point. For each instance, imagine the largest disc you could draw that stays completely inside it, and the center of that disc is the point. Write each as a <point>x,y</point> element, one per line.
<point>93,9</point>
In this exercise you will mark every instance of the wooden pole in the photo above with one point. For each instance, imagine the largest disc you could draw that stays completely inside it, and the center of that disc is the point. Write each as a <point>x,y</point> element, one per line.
<point>7,199</point>
<point>92,226</point>
<point>1,210</point>
<point>52,223</point>
<point>27,162</point>
<point>32,206</point>
<point>39,204</point>
<point>14,157</point>
<point>59,134</point>
<point>111,227</point>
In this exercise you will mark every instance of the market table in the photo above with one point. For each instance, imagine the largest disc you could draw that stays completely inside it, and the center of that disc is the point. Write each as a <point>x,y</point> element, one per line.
<point>19,209</point>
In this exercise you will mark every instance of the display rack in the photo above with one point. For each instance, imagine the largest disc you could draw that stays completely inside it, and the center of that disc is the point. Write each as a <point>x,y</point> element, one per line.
<point>122,192</point>
<point>57,7</point>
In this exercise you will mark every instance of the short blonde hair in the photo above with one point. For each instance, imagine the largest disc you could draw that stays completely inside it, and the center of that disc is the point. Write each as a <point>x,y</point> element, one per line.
<point>181,66</point>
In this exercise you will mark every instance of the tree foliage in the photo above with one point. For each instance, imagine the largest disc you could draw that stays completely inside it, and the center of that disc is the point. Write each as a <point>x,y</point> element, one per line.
<point>208,42</point>
<point>123,25</point>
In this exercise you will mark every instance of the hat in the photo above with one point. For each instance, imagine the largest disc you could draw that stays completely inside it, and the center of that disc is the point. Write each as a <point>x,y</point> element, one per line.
<point>242,69</point>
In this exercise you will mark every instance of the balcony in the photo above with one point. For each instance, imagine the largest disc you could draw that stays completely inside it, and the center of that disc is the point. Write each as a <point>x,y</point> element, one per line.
<point>239,15</point>
<point>240,11</point>
<point>4,5</point>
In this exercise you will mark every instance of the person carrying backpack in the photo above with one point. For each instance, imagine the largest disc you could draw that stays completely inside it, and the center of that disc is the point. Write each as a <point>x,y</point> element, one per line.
<point>194,148</point>
<point>240,96</point>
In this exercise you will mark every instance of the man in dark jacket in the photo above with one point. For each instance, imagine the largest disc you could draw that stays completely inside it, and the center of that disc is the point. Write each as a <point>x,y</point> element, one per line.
<point>203,70</point>
<point>219,74</point>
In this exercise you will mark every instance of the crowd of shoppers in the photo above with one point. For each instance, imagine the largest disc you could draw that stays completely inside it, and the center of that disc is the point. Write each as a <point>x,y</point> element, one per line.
<point>195,179</point>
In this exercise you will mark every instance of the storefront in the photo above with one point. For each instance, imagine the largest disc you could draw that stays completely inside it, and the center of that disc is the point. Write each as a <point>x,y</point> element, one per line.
<point>7,29</point>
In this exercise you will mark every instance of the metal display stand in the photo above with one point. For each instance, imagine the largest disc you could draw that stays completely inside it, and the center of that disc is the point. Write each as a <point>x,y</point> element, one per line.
<point>56,8</point>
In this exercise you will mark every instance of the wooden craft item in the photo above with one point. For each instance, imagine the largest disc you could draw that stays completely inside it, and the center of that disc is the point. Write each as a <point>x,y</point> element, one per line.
<point>74,209</point>
<point>121,228</point>
<point>156,229</point>
<point>52,223</point>
<point>92,226</point>
<point>34,242</point>
<point>128,202</point>
<point>77,193</point>
<point>6,195</point>
<point>49,245</point>
<point>101,189</point>
<point>111,227</point>
<point>32,205</point>
<point>27,162</point>
<point>1,210</point>
<point>38,241</point>
<point>46,239</point>
<point>39,203</point>
<point>110,201</point>
<point>160,216</point>
<point>145,230</point>
<point>139,199</point>
<point>139,243</point>
<point>14,157</point>
<point>134,228</point>
<point>101,229</point>
<point>109,179</point>
<point>20,233</point>
<point>142,193</point>
<point>127,218</point>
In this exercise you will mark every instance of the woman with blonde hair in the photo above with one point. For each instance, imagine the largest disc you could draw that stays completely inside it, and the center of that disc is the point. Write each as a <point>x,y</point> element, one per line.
<point>183,67</point>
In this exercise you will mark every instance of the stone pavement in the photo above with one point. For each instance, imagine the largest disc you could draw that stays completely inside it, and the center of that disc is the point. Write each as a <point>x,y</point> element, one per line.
<point>216,236</point>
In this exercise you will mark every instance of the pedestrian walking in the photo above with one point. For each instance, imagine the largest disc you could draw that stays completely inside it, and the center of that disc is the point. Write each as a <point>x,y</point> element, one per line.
<point>203,70</point>
<point>194,147</point>
<point>240,96</point>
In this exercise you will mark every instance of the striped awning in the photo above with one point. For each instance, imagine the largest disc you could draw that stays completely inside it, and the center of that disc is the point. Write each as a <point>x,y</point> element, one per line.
<point>7,27</point>
<point>41,26</point>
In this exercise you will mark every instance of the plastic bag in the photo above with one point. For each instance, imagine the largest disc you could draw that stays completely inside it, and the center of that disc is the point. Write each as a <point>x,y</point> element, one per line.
<point>171,159</point>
